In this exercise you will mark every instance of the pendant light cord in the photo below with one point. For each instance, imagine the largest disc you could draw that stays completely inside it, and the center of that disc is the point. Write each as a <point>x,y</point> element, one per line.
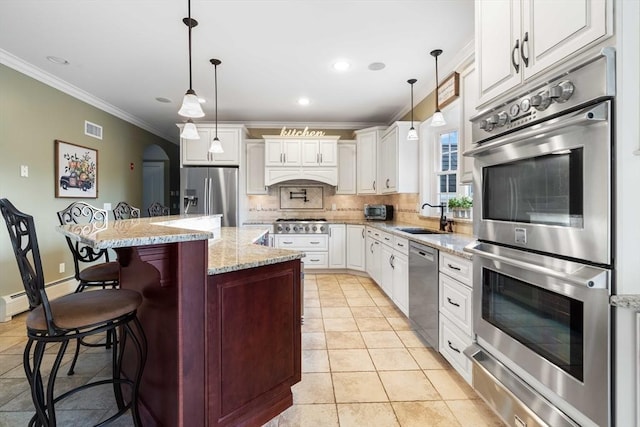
<point>437,102</point>
<point>189,24</point>
<point>411,104</point>
<point>215,88</point>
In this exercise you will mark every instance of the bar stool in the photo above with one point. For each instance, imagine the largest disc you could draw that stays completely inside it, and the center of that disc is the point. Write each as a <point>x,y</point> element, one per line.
<point>156,209</point>
<point>71,317</point>
<point>124,210</point>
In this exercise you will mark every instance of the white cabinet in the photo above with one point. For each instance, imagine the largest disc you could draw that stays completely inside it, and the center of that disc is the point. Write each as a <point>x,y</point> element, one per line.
<point>455,306</point>
<point>346,167</point>
<point>518,39</point>
<point>255,167</point>
<point>315,247</point>
<point>398,164</point>
<point>400,282</point>
<point>321,152</point>
<point>367,159</point>
<point>386,270</point>
<point>196,151</point>
<point>356,246</point>
<point>373,255</point>
<point>469,91</point>
<point>282,152</point>
<point>337,246</point>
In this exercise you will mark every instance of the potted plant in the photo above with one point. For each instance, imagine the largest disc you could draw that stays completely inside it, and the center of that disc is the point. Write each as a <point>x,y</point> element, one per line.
<point>461,206</point>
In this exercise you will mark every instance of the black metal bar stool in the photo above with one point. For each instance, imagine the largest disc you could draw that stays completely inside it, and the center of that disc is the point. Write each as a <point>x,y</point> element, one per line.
<point>71,317</point>
<point>124,210</point>
<point>156,209</point>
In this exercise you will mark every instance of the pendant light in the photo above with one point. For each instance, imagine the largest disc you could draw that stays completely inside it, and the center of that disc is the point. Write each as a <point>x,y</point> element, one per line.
<point>190,104</point>
<point>438,118</point>
<point>216,146</point>
<point>189,131</point>
<point>412,135</point>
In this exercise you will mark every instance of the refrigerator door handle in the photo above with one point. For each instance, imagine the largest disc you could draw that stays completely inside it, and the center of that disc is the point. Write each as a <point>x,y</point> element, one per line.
<point>209,210</point>
<point>206,194</point>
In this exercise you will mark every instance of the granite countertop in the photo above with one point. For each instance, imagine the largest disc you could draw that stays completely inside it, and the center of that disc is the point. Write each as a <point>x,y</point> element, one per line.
<point>230,248</point>
<point>626,301</point>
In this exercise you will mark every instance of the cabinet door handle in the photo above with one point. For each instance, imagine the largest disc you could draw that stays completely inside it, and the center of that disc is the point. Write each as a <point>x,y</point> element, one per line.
<point>387,183</point>
<point>321,161</point>
<point>317,158</point>
<point>452,347</point>
<point>391,261</point>
<point>284,156</point>
<point>450,301</point>
<point>363,233</point>
<point>374,184</point>
<point>513,59</point>
<point>371,248</point>
<point>453,267</point>
<point>525,39</point>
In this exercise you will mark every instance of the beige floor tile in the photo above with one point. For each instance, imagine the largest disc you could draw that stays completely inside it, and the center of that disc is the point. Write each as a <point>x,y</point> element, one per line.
<point>350,281</point>
<point>312,325</point>
<point>313,341</point>
<point>366,414</point>
<point>355,286</point>
<point>334,302</point>
<point>406,386</point>
<point>391,311</point>
<point>315,361</point>
<point>316,387</point>
<point>7,343</point>
<point>400,323</point>
<point>392,359</point>
<point>373,324</point>
<point>310,285</point>
<point>474,413</point>
<point>340,325</point>
<point>309,415</point>
<point>359,293</point>
<point>350,360</point>
<point>360,302</point>
<point>344,340</point>
<point>421,414</point>
<point>311,293</point>
<point>336,313</point>
<point>381,339</point>
<point>411,339</point>
<point>429,358</point>
<point>367,281</point>
<point>11,361</point>
<point>366,312</point>
<point>324,279</point>
<point>312,313</point>
<point>331,293</point>
<point>450,384</point>
<point>376,293</point>
<point>352,387</point>
<point>311,302</point>
<point>382,301</point>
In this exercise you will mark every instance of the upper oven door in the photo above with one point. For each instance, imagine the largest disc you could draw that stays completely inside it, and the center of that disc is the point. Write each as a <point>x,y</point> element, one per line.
<point>548,187</point>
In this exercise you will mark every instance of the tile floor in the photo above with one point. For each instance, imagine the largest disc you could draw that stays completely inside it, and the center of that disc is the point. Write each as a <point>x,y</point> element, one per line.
<point>362,365</point>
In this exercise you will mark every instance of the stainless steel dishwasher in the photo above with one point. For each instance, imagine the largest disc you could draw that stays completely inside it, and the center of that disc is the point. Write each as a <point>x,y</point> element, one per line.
<point>423,291</point>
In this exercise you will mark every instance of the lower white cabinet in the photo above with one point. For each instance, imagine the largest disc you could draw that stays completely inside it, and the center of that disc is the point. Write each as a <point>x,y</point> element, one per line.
<point>456,311</point>
<point>337,246</point>
<point>386,266</point>
<point>315,247</point>
<point>400,282</point>
<point>356,246</point>
<point>373,257</point>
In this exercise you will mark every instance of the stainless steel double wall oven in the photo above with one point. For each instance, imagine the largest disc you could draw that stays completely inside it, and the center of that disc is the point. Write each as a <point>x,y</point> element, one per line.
<point>543,203</point>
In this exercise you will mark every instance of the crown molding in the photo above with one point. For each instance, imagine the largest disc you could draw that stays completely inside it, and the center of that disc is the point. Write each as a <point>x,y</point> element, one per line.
<point>42,76</point>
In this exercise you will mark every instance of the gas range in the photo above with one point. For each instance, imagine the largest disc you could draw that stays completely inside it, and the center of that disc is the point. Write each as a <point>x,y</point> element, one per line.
<point>301,226</point>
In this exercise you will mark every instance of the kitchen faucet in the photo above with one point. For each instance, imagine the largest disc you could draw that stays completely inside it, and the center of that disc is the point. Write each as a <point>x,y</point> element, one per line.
<point>443,218</point>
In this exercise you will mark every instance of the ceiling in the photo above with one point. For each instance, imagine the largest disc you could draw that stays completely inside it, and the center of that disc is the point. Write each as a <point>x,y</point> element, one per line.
<point>126,53</point>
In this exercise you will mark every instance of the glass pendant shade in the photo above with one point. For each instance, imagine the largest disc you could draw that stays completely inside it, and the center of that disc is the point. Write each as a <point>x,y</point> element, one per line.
<point>191,106</point>
<point>190,131</point>
<point>215,146</point>
<point>412,135</point>
<point>438,119</point>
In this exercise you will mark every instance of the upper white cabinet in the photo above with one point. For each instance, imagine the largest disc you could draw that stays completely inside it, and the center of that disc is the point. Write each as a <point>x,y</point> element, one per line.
<point>518,39</point>
<point>347,169</point>
<point>255,167</point>
<point>367,159</point>
<point>196,151</point>
<point>283,152</point>
<point>398,164</point>
<point>469,92</point>
<point>289,158</point>
<point>319,152</point>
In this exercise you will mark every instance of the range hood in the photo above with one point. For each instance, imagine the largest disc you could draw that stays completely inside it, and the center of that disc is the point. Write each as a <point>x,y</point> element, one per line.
<point>276,175</point>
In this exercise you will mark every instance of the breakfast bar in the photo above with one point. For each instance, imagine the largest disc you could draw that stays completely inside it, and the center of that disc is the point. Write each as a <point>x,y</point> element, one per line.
<point>221,315</point>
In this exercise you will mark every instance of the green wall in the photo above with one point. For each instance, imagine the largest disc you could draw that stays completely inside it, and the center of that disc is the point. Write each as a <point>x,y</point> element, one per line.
<point>32,116</point>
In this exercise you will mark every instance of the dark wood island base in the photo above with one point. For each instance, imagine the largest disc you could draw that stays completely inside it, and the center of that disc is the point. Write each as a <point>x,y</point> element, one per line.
<point>223,349</point>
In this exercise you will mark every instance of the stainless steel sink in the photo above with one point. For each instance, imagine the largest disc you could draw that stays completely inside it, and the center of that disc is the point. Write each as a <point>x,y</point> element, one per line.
<point>418,230</point>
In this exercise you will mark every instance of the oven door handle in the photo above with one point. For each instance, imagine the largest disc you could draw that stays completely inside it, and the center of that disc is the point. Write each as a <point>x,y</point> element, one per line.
<point>589,277</point>
<point>591,115</point>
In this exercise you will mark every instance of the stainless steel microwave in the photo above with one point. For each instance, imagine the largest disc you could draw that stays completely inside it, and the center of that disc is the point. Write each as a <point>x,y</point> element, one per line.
<point>378,212</point>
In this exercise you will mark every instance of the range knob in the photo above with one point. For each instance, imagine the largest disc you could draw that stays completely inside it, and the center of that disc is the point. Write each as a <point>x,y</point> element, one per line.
<point>315,228</point>
<point>279,228</point>
<point>322,228</point>
<point>306,228</point>
<point>483,124</point>
<point>541,101</point>
<point>296,228</point>
<point>562,91</point>
<point>503,118</point>
<point>288,228</point>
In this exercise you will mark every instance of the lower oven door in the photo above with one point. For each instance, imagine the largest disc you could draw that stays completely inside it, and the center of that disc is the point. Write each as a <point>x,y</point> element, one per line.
<point>548,320</point>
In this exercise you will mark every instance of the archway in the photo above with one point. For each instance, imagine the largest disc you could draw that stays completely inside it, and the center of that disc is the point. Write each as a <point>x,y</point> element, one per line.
<point>155,177</point>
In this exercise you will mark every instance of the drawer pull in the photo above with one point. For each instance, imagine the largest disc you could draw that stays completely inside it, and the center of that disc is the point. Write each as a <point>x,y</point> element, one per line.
<point>314,243</point>
<point>400,244</point>
<point>452,347</point>
<point>453,267</point>
<point>314,260</point>
<point>386,238</point>
<point>450,301</point>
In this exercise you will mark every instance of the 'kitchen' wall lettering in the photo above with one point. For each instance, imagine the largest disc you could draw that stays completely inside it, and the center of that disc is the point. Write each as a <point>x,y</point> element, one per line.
<point>298,132</point>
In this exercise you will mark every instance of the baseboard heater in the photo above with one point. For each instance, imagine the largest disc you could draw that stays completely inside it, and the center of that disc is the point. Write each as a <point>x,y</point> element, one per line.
<point>17,303</point>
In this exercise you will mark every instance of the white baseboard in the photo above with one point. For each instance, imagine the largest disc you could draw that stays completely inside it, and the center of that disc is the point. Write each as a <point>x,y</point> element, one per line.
<point>17,303</point>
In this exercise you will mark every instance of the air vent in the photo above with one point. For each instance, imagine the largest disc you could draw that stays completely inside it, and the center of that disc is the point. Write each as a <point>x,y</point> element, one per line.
<point>92,129</point>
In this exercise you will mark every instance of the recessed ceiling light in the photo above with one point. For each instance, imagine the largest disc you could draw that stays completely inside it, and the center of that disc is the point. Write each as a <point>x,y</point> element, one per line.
<point>304,101</point>
<point>341,66</point>
<point>163,100</point>
<point>57,60</point>
<point>376,66</point>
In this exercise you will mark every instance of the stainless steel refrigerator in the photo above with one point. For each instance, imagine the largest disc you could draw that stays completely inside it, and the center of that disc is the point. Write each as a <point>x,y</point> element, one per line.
<point>210,191</point>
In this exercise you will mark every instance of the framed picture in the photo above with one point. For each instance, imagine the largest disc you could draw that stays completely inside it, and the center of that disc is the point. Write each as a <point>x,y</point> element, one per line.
<point>76,171</point>
<point>449,89</point>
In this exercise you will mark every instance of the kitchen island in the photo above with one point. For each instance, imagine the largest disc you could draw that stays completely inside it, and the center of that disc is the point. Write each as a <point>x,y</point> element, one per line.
<point>221,315</point>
